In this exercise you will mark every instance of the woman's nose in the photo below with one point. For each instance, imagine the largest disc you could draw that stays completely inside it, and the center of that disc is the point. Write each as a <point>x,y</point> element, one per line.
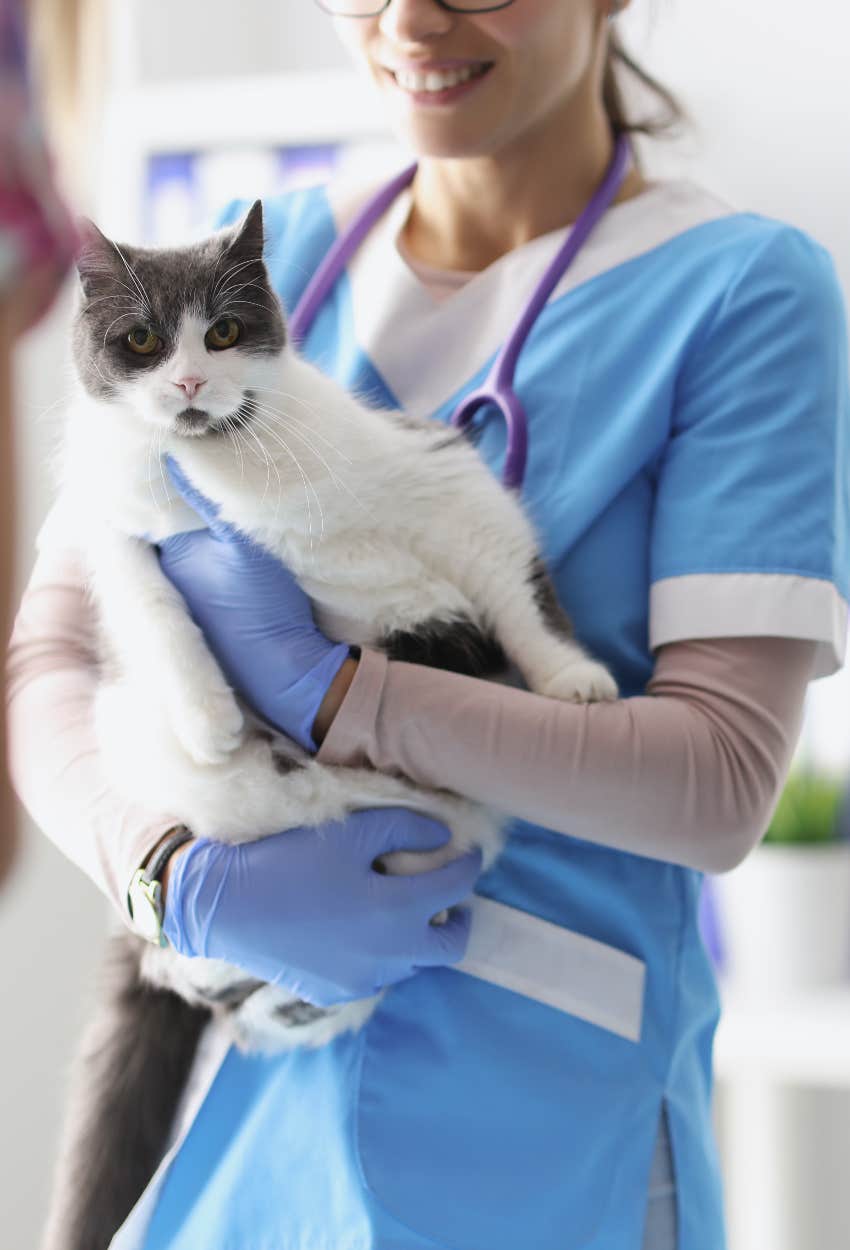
<point>190,385</point>
<point>409,21</point>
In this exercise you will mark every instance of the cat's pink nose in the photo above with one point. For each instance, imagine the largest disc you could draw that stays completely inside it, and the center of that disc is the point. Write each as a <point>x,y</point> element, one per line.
<point>190,385</point>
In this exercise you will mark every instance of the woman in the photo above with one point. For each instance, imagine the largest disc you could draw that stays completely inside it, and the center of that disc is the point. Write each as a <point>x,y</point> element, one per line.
<point>36,246</point>
<point>686,388</point>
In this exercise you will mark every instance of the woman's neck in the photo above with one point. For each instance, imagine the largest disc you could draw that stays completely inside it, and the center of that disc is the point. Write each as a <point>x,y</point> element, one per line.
<point>466,213</point>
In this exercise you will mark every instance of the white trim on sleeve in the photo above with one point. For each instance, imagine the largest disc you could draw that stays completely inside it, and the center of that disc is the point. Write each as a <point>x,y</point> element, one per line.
<point>749,605</point>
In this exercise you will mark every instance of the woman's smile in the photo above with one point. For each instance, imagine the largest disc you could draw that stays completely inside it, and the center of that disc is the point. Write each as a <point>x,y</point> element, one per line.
<point>437,82</point>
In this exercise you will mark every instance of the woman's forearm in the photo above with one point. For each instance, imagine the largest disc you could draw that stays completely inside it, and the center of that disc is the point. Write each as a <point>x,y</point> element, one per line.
<point>688,773</point>
<point>54,759</point>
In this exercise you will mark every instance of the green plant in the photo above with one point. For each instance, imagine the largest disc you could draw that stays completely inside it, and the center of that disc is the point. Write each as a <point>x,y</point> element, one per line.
<point>808,809</point>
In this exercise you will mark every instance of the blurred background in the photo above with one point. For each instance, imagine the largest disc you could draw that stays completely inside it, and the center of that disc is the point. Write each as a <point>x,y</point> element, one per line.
<point>188,104</point>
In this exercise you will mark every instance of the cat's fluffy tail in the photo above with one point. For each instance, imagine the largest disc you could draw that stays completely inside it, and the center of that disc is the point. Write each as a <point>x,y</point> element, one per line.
<point>128,1075</point>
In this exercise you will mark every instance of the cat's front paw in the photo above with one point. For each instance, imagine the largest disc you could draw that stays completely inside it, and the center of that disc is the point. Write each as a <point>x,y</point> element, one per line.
<point>209,726</point>
<point>584,681</point>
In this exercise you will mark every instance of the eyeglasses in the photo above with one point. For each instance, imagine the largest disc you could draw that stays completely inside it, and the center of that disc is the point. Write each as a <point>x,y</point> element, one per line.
<point>371,8</point>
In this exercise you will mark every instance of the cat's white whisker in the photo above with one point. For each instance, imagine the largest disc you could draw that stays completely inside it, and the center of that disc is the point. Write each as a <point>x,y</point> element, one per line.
<point>136,280</point>
<point>151,442</point>
<point>339,482</point>
<point>230,430</point>
<point>258,421</point>
<point>304,479</point>
<point>235,303</point>
<point>63,399</point>
<point>235,433</point>
<point>299,399</point>
<point>264,425</point>
<point>133,294</point>
<point>105,382</point>
<point>242,286</point>
<point>298,420</point>
<point>102,299</point>
<point>229,293</point>
<point>270,464</point>
<point>160,441</point>
<point>233,269</point>
<point>280,418</point>
<point>109,327</point>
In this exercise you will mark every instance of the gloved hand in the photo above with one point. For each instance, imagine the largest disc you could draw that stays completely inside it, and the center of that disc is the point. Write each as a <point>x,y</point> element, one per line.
<point>306,909</point>
<point>256,619</point>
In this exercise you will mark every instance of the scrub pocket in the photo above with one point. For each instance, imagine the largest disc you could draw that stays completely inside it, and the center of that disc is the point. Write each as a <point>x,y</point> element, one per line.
<point>497,1101</point>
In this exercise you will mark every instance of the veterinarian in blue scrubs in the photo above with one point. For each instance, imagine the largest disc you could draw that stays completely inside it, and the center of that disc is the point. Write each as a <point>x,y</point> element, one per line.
<point>687,402</point>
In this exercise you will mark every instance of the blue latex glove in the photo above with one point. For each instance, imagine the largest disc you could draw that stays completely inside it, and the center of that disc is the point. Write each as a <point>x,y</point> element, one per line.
<point>305,908</point>
<point>256,619</point>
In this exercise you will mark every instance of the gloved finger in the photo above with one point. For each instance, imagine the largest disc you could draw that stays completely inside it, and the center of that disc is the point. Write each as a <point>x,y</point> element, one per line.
<point>402,829</point>
<point>206,508</point>
<point>180,548</point>
<point>440,888</point>
<point>447,942</point>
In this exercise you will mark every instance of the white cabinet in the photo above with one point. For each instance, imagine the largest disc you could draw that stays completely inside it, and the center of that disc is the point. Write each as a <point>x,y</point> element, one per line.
<point>783,1074</point>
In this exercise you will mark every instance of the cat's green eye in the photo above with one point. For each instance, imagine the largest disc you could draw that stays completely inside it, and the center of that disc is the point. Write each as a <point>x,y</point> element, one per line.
<point>223,334</point>
<point>143,341</point>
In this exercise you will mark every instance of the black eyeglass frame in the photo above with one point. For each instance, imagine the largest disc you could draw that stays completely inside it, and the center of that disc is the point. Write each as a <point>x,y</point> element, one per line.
<point>325,6</point>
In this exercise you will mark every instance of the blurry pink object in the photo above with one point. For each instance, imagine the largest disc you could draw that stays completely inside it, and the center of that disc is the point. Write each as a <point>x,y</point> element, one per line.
<point>36,228</point>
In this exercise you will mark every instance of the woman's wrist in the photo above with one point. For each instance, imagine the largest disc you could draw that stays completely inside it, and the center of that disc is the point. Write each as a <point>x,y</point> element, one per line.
<point>332,701</point>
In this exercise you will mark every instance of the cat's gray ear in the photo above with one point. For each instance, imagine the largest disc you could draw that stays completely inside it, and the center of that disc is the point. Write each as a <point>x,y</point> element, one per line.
<point>97,259</point>
<point>249,236</point>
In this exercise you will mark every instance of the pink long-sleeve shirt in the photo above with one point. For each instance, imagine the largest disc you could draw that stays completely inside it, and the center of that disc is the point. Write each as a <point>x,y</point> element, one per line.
<point>688,772</point>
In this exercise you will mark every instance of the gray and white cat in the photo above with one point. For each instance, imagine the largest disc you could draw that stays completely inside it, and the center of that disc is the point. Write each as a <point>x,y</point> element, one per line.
<point>394,527</point>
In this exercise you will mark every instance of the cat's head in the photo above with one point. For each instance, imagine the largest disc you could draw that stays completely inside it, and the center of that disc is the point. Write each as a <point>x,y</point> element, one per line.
<point>188,337</point>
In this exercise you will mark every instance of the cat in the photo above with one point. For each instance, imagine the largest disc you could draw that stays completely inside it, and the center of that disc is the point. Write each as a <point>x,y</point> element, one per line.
<point>391,523</point>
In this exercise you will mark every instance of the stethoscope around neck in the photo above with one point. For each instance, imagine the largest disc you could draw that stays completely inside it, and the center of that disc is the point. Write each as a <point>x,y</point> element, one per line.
<point>498,386</point>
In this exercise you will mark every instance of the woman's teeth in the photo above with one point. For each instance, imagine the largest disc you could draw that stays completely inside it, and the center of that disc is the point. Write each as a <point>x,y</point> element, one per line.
<point>435,80</point>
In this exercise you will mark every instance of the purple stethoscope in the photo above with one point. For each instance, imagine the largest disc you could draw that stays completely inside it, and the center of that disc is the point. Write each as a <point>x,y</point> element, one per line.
<point>498,386</point>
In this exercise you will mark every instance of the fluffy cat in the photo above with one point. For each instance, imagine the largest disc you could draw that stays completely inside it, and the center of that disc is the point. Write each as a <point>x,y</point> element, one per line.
<point>365,507</point>
<point>394,527</point>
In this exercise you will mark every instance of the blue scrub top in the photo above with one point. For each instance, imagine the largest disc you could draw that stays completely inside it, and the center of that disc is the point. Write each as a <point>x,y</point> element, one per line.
<point>688,402</point>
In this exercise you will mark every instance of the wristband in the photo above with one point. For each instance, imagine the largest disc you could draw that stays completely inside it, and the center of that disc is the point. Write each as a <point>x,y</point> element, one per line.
<point>144,896</point>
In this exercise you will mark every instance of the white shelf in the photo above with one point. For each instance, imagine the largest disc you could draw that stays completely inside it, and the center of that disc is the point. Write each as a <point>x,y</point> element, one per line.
<point>247,114</point>
<point>802,1041</point>
<point>304,107</point>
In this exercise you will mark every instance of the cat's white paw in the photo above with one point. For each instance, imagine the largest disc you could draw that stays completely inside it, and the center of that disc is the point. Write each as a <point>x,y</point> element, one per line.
<point>584,681</point>
<point>209,726</point>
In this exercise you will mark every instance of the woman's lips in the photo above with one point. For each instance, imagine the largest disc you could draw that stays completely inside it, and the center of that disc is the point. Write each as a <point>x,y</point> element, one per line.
<point>438,83</point>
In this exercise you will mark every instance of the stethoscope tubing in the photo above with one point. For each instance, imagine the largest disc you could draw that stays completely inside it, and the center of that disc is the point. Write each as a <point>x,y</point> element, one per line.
<point>497,388</point>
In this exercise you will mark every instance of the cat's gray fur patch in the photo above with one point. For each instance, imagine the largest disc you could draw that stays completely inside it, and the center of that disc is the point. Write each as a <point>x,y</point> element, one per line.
<point>124,287</point>
<point>546,596</point>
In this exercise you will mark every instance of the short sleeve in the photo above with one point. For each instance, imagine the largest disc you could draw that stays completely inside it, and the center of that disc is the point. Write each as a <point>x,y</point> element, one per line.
<point>752,510</point>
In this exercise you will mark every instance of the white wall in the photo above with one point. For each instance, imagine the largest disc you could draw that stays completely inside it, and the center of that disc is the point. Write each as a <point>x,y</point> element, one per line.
<point>260,36</point>
<point>768,83</point>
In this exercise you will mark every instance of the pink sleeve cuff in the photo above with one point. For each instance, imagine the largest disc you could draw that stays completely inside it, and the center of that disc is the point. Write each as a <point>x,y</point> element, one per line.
<point>352,732</point>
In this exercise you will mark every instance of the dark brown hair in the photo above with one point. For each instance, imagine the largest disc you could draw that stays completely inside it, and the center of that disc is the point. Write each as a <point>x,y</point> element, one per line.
<point>673,114</point>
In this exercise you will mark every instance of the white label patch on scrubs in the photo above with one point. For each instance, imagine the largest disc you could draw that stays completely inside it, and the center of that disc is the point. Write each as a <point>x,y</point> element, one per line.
<point>555,966</point>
